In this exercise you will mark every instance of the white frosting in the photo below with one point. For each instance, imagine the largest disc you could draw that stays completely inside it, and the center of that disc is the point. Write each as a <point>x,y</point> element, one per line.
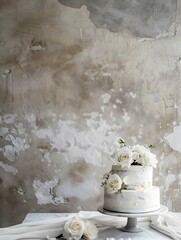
<point>138,194</point>
<point>133,201</point>
<point>135,177</point>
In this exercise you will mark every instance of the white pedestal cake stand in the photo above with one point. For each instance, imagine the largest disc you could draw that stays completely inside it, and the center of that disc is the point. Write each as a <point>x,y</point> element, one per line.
<point>132,224</point>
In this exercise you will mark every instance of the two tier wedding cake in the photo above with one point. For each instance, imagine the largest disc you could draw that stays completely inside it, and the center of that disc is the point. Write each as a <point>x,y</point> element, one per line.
<point>128,186</point>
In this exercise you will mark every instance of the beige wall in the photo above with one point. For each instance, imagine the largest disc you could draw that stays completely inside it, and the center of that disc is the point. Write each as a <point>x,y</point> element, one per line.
<point>68,90</point>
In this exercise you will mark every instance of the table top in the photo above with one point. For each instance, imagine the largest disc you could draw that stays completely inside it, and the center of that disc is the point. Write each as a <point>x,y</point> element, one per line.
<point>109,234</point>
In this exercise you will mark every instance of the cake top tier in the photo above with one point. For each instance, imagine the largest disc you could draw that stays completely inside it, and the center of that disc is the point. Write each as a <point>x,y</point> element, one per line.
<point>125,155</point>
<point>135,177</point>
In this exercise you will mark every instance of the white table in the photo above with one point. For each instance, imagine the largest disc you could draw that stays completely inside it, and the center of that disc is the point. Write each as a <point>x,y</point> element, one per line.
<point>110,234</point>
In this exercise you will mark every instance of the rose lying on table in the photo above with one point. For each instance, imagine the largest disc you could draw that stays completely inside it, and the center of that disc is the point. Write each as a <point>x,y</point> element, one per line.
<point>75,229</point>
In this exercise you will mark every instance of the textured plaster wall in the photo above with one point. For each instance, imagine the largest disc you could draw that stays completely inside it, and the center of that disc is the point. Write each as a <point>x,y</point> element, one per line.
<point>75,78</point>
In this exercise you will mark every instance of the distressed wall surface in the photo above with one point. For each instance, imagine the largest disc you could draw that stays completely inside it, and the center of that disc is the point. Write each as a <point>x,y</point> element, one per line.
<point>73,79</point>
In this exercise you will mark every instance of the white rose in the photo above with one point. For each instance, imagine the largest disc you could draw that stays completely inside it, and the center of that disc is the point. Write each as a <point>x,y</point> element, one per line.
<point>114,183</point>
<point>124,156</point>
<point>138,151</point>
<point>91,230</point>
<point>143,158</point>
<point>73,229</point>
<point>147,159</point>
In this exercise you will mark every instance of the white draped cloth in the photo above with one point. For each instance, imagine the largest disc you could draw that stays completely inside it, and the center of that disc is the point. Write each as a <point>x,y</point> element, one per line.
<point>54,227</point>
<point>168,223</point>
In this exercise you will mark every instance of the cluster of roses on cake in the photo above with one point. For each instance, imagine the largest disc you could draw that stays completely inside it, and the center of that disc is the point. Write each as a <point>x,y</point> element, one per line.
<point>125,156</point>
<point>136,155</point>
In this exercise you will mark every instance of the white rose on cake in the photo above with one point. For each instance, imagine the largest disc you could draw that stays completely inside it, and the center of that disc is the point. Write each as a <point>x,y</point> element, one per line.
<point>73,229</point>
<point>124,156</point>
<point>114,183</point>
<point>138,151</point>
<point>147,159</point>
<point>143,156</point>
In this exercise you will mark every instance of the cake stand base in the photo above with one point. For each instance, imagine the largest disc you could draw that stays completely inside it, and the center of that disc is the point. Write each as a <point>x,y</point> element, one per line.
<point>132,226</point>
<point>132,223</point>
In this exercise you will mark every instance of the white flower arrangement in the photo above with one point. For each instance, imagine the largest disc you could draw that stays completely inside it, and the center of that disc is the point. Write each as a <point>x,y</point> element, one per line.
<point>136,155</point>
<point>76,229</point>
<point>126,156</point>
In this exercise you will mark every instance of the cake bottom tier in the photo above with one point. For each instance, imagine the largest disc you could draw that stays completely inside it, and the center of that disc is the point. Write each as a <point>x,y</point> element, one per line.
<point>133,201</point>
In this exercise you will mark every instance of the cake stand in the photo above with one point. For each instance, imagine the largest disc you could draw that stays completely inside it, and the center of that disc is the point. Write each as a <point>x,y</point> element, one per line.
<point>132,224</point>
